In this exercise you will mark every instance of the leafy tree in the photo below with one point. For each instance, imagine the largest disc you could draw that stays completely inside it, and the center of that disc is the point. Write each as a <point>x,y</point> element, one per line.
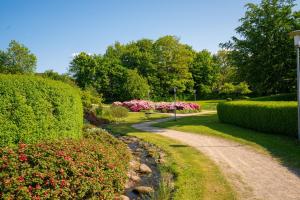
<point>205,71</point>
<point>264,54</point>
<point>17,59</point>
<point>58,77</point>
<point>136,86</point>
<point>83,68</point>
<point>242,89</point>
<point>172,61</point>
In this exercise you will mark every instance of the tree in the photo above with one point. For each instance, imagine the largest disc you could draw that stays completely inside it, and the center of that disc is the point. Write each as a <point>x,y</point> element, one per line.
<point>172,61</point>
<point>58,77</point>
<point>264,54</point>
<point>17,59</point>
<point>83,68</point>
<point>136,86</point>
<point>204,69</point>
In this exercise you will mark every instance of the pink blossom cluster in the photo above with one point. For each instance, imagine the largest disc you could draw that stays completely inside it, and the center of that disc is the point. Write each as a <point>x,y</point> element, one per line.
<point>138,105</point>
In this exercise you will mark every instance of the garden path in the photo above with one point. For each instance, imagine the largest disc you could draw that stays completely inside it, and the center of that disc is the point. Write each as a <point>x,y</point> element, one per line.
<point>254,175</point>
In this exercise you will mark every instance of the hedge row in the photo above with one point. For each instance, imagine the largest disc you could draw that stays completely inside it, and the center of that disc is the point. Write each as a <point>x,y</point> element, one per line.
<point>271,117</point>
<point>86,168</point>
<point>277,97</point>
<point>34,108</point>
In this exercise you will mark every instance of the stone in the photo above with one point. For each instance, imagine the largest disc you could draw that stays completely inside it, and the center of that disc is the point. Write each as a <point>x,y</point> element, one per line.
<point>135,178</point>
<point>123,197</point>
<point>135,165</point>
<point>143,190</point>
<point>145,169</point>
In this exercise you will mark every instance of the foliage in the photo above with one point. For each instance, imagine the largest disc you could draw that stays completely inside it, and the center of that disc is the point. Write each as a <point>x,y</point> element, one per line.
<point>17,59</point>
<point>230,90</point>
<point>88,168</point>
<point>272,117</point>
<point>205,70</point>
<point>142,105</point>
<point>278,97</point>
<point>33,108</point>
<point>264,54</point>
<point>163,64</point>
<point>90,97</point>
<point>58,77</point>
<point>136,87</point>
<point>113,113</point>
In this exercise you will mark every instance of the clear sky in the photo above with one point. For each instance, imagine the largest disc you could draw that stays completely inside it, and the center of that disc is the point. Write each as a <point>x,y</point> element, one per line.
<point>55,29</point>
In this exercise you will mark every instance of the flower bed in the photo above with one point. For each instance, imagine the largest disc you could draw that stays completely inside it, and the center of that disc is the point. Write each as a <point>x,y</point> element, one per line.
<point>89,168</point>
<point>139,105</point>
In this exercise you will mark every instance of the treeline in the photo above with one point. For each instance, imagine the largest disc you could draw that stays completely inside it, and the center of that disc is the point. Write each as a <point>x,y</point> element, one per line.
<point>152,69</point>
<point>261,59</point>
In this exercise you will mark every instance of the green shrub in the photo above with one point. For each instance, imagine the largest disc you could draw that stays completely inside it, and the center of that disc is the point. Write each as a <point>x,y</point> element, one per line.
<point>90,97</point>
<point>272,117</point>
<point>277,97</point>
<point>113,113</point>
<point>88,168</point>
<point>34,108</point>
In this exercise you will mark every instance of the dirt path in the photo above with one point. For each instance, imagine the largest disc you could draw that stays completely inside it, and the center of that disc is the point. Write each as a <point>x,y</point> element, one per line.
<point>254,175</point>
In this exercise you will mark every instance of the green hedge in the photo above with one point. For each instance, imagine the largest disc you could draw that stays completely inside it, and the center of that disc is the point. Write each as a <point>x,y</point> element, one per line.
<point>271,117</point>
<point>34,108</point>
<point>277,97</point>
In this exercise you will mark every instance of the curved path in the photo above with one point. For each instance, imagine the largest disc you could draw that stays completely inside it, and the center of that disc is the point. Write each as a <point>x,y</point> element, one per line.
<point>254,175</point>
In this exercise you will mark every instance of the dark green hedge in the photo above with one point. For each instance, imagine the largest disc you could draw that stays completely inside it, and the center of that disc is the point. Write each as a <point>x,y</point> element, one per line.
<point>34,108</point>
<point>277,97</point>
<point>271,117</point>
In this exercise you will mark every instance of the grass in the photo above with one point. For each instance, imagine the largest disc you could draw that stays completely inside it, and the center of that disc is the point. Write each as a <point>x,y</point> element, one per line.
<point>208,104</point>
<point>196,177</point>
<point>285,149</point>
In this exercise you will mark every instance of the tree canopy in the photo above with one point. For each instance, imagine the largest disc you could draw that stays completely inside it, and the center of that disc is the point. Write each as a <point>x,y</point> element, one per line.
<point>264,54</point>
<point>17,59</point>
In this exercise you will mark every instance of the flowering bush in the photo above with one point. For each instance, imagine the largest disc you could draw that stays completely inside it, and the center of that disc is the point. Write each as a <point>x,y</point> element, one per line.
<point>138,105</point>
<point>67,169</point>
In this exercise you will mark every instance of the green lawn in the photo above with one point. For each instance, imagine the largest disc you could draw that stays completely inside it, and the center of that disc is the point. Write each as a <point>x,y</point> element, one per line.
<point>208,104</point>
<point>285,149</point>
<point>197,177</point>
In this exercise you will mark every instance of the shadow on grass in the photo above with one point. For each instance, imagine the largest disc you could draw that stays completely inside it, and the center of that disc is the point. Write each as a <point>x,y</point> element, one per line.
<point>178,145</point>
<point>285,149</point>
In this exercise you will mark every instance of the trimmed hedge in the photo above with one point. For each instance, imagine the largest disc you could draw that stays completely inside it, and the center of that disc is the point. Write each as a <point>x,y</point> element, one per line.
<point>271,117</point>
<point>33,108</point>
<point>277,97</point>
<point>93,167</point>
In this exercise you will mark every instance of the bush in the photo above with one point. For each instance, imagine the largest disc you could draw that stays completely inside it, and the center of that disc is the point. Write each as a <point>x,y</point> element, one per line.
<point>34,108</point>
<point>271,117</point>
<point>277,97</point>
<point>113,113</point>
<point>89,168</point>
<point>90,97</point>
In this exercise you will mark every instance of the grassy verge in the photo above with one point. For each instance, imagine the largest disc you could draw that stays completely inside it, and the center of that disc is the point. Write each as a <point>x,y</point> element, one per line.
<point>196,177</point>
<point>208,104</point>
<point>285,149</point>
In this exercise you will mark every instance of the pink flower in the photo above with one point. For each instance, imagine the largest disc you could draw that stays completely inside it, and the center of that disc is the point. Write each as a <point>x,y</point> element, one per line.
<point>23,157</point>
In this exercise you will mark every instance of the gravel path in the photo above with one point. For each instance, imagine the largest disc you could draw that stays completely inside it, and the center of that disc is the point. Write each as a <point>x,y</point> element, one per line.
<point>253,175</point>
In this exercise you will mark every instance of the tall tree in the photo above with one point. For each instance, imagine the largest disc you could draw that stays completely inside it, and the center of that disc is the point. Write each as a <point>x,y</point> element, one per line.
<point>17,59</point>
<point>264,54</point>
<point>172,60</point>
<point>205,71</point>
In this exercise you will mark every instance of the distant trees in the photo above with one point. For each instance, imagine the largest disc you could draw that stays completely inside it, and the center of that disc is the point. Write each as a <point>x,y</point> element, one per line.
<point>264,54</point>
<point>17,59</point>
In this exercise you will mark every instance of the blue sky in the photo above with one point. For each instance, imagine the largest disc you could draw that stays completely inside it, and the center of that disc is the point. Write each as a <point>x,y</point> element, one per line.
<point>55,29</point>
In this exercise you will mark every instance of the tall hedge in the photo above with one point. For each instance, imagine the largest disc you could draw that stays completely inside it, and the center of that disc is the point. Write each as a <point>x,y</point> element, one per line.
<point>34,108</point>
<point>269,116</point>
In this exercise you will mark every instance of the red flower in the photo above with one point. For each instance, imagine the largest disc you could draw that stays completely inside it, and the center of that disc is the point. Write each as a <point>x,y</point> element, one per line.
<point>30,188</point>
<point>63,183</point>
<point>23,157</point>
<point>38,187</point>
<point>21,179</point>
<point>22,145</point>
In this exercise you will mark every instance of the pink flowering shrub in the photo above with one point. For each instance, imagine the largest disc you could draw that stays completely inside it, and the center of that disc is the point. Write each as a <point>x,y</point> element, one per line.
<point>138,105</point>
